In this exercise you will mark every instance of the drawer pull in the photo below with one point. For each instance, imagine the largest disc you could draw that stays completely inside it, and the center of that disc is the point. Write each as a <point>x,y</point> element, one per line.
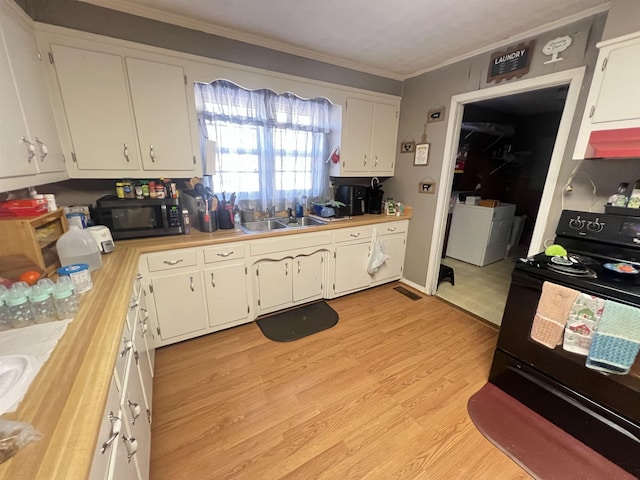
<point>355,235</point>
<point>128,345</point>
<point>173,262</point>
<point>135,411</point>
<point>139,276</point>
<point>134,304</point>
<point>131,445</point>
<point>116,426</point>
<point>391,229</point>
<point>226,254</point>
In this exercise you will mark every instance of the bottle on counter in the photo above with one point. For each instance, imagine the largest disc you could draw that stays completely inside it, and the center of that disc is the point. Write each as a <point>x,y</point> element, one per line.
<point>65,299</point>
<point>5,323</point>
<point>77,246</point>
<point>20,313</point>
<point>42,304</point>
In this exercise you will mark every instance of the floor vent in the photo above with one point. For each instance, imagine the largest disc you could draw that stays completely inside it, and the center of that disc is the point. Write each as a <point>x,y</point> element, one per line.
<point>407,293</point>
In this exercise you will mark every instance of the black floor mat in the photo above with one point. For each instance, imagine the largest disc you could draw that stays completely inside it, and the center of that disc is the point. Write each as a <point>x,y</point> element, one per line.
<point>298,322</point>
<point>407,293</point>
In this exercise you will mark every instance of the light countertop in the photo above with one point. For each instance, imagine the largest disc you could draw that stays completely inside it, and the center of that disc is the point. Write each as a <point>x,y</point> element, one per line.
<point>66,398</point>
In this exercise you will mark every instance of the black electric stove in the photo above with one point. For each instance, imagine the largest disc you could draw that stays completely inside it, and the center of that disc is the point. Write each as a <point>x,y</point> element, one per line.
<point>600,410</point>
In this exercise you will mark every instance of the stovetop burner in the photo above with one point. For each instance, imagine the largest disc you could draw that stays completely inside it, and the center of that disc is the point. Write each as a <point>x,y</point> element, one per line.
<point>573,270</point>
<point>573,265</point>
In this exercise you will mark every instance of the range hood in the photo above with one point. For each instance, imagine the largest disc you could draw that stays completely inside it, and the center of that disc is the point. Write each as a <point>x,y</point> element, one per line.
<point>620,143</point>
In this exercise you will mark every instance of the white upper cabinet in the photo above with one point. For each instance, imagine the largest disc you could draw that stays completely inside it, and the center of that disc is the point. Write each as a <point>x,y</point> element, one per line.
<point>614,97</point>
<point>29,142</point>
<point>126,117</point>
<point>96,102</point>
<point>163,126</point>
<point>369,137</point>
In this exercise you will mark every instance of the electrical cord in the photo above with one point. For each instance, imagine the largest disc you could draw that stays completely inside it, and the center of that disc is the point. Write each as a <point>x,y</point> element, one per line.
<point>569,188</point>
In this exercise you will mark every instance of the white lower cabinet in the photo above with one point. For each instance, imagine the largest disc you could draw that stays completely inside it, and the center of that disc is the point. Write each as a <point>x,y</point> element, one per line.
<point>353,251</point>
<point>289,281</point>
<point>123,448</point>
<point>180,303</point>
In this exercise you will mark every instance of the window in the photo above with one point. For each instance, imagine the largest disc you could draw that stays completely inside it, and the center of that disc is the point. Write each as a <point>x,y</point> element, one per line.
<point>270,148</point>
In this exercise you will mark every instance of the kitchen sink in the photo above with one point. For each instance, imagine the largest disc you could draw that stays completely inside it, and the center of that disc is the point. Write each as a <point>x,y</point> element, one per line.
<point>262,226</point>
<point>306,222</point>
<point>271,224</point>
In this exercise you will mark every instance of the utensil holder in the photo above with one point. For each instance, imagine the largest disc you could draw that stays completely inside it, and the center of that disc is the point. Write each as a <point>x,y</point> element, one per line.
<point>225,221</point>
<point>209,224</point>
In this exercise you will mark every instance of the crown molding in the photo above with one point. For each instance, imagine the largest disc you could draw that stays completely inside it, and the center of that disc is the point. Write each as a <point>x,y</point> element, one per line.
<point>257,40</point>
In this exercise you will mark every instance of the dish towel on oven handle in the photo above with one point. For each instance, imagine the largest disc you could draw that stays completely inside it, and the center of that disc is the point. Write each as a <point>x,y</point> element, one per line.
<point>616,342</point>
<point>551,315</point>
<point>582,323</point>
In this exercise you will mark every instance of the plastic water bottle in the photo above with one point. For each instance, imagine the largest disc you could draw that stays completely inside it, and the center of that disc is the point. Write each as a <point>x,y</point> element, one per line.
<point>77,246</point>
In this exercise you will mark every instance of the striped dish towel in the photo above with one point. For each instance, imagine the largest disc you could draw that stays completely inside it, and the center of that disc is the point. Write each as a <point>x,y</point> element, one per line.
<point>616,342</point>
<point>582,323</point>
<point>551,315</point>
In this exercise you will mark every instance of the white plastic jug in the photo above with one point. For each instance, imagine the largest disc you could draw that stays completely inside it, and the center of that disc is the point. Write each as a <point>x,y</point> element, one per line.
<point>78,246</point>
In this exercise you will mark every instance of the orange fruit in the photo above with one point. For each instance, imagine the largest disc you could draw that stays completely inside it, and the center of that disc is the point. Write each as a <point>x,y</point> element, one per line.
<point>30,276</point>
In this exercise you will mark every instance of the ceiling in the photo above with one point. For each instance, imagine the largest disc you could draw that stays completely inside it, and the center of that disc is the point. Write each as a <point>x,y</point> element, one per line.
<point>397,39</point>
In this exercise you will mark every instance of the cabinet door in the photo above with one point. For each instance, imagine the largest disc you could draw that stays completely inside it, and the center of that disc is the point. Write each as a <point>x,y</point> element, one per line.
<point>351,267</point>
<point>274,283</point>
<point>27,69</point>
<point>179,303</point>
<point>356,148</point>
<point>96,104</point>
<point>102,454</point>
<point>227,294</point>
<point>385,133</point>
<point>145,328</point>
<point>392,268</point>
<point>139,422</point>
<point>619,95</point>
<point>160,106</point>
<point>308,275</point>
<point>15,158</point>
<point>124,463</point>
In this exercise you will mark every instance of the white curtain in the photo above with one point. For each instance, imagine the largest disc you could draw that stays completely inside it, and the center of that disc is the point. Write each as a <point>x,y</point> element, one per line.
<point>270,148</point>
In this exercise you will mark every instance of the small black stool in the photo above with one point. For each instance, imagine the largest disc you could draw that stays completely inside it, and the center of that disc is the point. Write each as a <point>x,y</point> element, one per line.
<point>446,273</point>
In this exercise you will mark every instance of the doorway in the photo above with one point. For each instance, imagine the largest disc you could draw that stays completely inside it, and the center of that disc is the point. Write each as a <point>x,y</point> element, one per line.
<point>504,144</point>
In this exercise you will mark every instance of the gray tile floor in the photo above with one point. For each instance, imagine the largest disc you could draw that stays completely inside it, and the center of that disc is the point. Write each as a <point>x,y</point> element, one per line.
<point>480,290</point>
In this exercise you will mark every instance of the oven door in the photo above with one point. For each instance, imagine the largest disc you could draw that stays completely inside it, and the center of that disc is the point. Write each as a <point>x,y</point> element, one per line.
<point>565,387</point>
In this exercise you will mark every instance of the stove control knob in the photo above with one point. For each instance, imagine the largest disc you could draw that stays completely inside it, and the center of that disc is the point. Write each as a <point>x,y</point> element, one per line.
<point>595,226</point>
<point>576,223</point>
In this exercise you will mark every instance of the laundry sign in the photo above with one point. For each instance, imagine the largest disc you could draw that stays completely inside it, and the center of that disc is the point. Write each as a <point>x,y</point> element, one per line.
<point>510,63</point>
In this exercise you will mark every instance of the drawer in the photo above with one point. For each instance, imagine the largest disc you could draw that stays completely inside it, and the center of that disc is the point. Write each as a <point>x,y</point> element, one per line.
<point>355,233</point>
<point>392,228</point>
<point>221,253</point>
<point>170,260</point>
<point>290,242</point>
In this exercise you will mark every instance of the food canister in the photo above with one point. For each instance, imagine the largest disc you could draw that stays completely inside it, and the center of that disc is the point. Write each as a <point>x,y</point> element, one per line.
<point>76,218</point>
<point>79,274</point>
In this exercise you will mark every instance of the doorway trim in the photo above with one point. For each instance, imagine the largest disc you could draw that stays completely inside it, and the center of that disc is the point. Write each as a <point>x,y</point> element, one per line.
<point>573,78</point>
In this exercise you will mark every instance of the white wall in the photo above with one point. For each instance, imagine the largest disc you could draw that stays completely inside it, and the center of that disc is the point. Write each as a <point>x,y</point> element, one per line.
<point>436,89</point>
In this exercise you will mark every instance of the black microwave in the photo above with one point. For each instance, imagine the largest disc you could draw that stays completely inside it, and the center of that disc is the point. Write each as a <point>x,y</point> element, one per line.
<point>132,218</point>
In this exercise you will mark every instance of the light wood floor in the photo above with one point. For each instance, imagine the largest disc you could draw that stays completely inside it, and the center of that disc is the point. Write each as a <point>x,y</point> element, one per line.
<point>382,395</point>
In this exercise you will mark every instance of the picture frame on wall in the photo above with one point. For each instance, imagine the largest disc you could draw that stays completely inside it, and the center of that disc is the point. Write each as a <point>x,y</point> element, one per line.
<point>422,154</point>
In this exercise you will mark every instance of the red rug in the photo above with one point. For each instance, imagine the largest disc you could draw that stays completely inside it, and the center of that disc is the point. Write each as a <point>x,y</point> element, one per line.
<point>541,448</point>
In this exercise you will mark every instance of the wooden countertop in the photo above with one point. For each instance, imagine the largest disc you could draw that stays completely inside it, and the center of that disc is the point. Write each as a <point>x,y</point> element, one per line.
<point>66,398</point>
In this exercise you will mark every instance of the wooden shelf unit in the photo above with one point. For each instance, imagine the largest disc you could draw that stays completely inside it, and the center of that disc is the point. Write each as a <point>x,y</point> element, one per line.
<point>35,238</point>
